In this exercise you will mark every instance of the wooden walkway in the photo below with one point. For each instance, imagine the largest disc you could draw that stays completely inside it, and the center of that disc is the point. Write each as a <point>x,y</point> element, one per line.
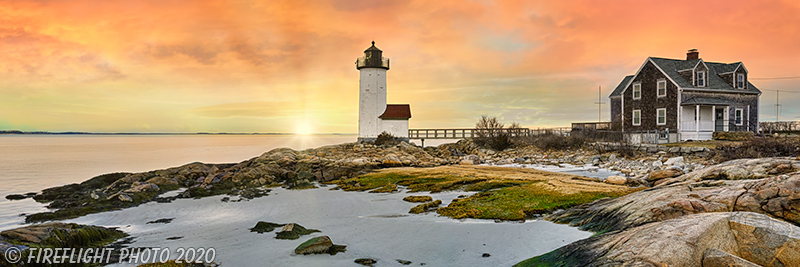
<point>467,133</point>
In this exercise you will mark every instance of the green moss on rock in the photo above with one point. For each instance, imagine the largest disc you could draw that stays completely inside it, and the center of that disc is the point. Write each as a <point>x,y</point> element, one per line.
<point>418,199</point>
<point>265,227</point>
<point>293,231</point>
<point>425,207</point>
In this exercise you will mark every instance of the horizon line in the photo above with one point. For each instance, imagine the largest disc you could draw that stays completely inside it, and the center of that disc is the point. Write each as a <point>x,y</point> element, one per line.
<point>19,132</point>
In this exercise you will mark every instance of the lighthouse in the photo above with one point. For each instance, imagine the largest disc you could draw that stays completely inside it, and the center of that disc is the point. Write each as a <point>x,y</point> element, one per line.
<point>374,115</point>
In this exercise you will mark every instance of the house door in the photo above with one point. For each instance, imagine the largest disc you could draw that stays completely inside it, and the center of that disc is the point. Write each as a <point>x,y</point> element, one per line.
<point>719,118</point>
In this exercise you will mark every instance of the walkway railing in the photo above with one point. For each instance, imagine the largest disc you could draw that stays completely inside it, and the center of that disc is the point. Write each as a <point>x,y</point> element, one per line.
<point>466,133</point>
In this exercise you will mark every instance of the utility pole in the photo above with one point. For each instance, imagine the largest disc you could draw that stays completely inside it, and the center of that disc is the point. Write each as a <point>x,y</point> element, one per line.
<point>777,105</point>
<point>599,105</point>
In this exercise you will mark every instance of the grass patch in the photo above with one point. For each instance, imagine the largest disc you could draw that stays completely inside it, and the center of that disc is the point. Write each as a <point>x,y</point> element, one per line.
<point>489,185</point>
<point>385,189</point>
<point>517,202</point>
<point>504,193</point>
<point>371,181</point>
<point>551,259</point>
<point>418,199</point>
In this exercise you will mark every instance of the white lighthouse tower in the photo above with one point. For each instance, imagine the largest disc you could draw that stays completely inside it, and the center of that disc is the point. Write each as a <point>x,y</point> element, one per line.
<point>374,116</point>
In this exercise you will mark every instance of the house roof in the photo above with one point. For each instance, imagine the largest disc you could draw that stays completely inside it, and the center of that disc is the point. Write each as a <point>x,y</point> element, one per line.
<point>618,91</point>
<point>396,111</point>
<point>672,68</point>
<point>708,101</point>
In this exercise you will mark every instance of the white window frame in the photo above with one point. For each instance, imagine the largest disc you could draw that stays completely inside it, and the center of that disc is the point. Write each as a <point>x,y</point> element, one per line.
<point>658,87</point>
<point>636,117</point>
<point>637,90</point>
<point>663,135</point>
<point>704,80</point>
<point>740,81</point>
<point>659,117</point>
<point>738,116</point>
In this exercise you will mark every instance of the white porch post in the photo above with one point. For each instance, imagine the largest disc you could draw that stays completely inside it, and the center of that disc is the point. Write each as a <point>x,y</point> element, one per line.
<point>748,118</point>
<point>697,121</point>
<point>713,118</point>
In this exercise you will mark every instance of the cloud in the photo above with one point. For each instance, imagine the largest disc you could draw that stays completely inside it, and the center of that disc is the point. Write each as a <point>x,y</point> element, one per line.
<point>204,54</point>
<point>244,63</point>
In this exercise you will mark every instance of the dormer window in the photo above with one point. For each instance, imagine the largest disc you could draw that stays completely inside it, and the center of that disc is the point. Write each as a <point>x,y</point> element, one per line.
<point>662,88</point>
<point>701,79</point>
<point>740,81</point>
<point>637,91</point>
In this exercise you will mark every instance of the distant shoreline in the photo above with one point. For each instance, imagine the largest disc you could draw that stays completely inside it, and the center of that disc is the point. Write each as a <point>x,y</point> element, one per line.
<point>16,132</point>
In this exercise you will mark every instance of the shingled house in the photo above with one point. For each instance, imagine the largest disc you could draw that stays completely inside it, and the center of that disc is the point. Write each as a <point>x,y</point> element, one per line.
<point>686,99</point>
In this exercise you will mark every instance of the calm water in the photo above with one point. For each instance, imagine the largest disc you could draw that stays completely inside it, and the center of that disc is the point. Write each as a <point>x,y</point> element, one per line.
<point>30,163</point>
<point>371,225</point>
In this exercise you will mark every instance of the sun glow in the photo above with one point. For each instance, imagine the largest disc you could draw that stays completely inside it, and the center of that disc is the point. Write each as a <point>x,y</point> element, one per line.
<point>304,128</point>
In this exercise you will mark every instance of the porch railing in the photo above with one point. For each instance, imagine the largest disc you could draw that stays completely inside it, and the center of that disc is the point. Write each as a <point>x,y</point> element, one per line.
<point>715,126</point>
<point>705,126</point>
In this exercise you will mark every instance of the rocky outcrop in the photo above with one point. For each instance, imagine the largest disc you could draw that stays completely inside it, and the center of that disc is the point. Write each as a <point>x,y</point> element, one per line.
<point>777,196</point>
<point>425,207</point>
<point>283,166</point>
<point>265,227</point>
<point>318,245</point>
<point>741,169</point>
<point>293,231</point>
<point>418,199</point>
<point>57,234</point>
<point>366,261</point>
<point>707,239</point>
<point>616,179</point>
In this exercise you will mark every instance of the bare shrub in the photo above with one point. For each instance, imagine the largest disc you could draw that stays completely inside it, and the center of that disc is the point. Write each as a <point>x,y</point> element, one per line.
<point>387,139</point>
<point>490,133</point>
<point>759,148</point>
<point>551,141</point>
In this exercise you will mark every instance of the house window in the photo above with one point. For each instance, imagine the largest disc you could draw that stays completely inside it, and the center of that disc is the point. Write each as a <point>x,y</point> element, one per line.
<point>701,79</point>
<point>661,118</point>
<point>662,88</point>
<point>738,116</point>
<point>740,81</point>
<point>637,91</point>
<point>637,117</point>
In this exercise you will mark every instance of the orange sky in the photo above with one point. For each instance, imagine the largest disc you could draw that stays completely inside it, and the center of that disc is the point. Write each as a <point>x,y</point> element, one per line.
<point>287,66</point>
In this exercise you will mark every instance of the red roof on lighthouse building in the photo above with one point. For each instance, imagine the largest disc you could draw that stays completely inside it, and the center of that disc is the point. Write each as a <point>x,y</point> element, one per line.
<point>396,111</point>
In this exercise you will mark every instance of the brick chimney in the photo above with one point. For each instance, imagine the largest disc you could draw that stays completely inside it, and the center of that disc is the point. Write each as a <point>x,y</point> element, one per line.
<point>692,54</point>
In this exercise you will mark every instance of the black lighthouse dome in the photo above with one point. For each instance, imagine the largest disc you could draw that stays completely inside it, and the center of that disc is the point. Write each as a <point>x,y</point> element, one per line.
<point>373,58</point>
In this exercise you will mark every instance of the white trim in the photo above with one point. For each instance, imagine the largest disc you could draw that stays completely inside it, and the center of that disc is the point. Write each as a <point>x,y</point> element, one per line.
<point>742,66</point>
<point>680,111</point>
<point>748,118</point>
<point>658,117</point>
<point>720,91</point>
<point>741,116</point>
<point>737,81</point>
<point>705,78</point>
<point>634,117</point>
<point>633,92</point>
<point>622,114</point>
<point>658,82</point>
